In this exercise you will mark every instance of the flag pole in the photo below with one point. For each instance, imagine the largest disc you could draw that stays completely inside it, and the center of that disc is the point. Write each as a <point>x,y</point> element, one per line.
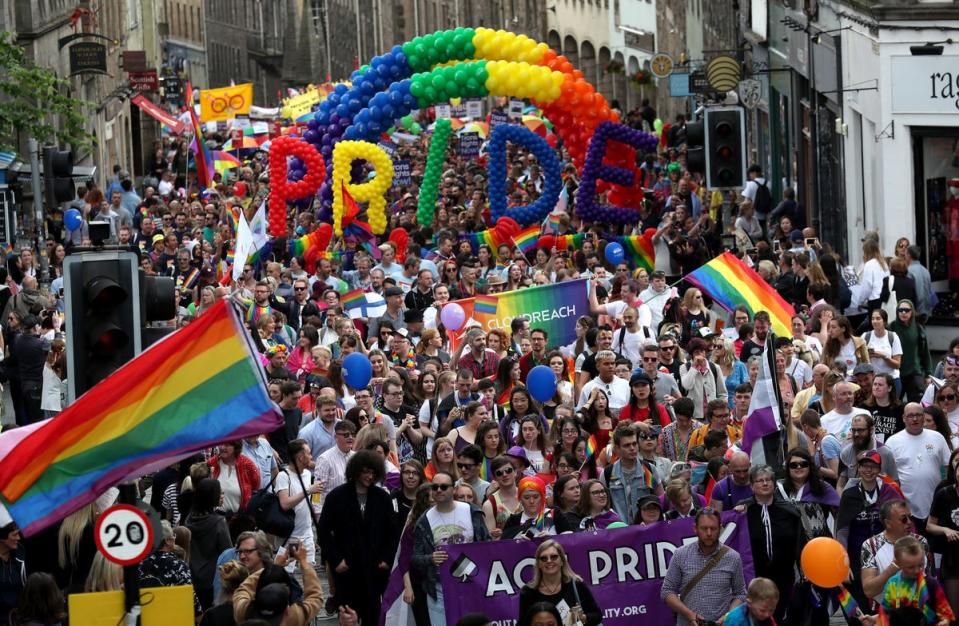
<point>784,420</point>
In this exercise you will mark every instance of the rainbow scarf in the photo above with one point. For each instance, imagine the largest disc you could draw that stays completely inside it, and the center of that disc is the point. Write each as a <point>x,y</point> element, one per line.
<point>901,592</point>
<point>647,476</point>
<point>849,605</point>
<point>188,281</point>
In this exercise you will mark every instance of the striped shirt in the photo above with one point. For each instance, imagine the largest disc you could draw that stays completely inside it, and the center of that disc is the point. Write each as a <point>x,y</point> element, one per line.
<point>713,593</point>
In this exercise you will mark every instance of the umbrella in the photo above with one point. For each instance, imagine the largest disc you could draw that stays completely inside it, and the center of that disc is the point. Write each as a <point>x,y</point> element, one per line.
<point>537,124</point>
<point>480,128</point>
<point>249,142</point>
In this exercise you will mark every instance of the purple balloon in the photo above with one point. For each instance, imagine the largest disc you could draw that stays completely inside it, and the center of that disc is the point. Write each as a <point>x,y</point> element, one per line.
<point>453,316</point>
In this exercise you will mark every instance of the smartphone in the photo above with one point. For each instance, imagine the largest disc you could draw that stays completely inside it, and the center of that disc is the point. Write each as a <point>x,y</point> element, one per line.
<point>777,246</point>
<point>292,546</point>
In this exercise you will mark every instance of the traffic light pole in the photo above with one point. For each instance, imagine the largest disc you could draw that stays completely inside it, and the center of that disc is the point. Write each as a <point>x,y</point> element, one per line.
<point>34,147</point>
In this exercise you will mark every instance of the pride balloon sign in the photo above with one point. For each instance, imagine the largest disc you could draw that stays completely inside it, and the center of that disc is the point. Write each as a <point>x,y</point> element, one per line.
<point>475,63</point>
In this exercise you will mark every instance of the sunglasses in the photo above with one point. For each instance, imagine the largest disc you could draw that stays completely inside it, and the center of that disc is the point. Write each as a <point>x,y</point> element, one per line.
<point>506,471</point>
<point>646,436</point>
<point>948,397</point>
<point>549,558</point>
<point>904,310</point>
<point>650,359</point>
<point>665,348</point>
<point>798,465</point>
<point>299,289</point>
<point>466,466</point>
<point>443,487</point>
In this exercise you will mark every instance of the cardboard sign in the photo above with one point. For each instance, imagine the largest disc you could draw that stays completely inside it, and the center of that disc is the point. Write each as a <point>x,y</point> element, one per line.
<point>474,108</point>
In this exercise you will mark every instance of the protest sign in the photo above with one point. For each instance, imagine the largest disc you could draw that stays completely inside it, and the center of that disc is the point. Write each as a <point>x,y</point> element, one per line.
<point>469,146</point>
<point>161,606</point>
<point>516,109</point>
<point>388,147</point>
<point>497,118</point>
<point>443,111</point>
<point>226,102</point>
<point>474,108</point>
<point>623,567</point>
<point>401,173</point>
<point>554,308</point>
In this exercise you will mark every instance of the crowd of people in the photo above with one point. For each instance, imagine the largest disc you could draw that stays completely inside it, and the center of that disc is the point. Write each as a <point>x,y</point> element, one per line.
<point>446,445</point>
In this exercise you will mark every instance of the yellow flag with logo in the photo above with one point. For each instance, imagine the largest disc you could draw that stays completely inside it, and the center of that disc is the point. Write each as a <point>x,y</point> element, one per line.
<point>225,103</point>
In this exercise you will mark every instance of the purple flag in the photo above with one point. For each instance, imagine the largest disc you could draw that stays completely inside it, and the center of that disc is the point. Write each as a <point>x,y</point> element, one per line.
<point>764,415</point>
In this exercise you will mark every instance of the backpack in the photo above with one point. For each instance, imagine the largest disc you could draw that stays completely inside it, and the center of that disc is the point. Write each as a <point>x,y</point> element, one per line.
<point>763,200</point>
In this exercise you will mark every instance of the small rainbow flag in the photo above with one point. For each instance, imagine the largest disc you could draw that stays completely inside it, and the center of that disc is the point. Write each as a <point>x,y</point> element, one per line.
<point>730,282</point>
<point>647,476</point>
<point>353,299</point>
<point>200,386</point>
<point>223,161</point>
<point>8,250</point>
<point>849,605</point>
<point>551,222</point>
<point>526,239</point>
<point>484,304</point>
<point>640,249</point>
<point>592,446</point>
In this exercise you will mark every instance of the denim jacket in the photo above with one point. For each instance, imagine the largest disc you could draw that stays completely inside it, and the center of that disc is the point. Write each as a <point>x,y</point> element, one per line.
<point>626,506</point>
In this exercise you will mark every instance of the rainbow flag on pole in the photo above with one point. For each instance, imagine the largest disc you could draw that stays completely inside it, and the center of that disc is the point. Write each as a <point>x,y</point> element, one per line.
<point>730,282</point>
<point>223,161</point>
<point>204,160</point>
<point>526,239</point>
<point>592,446</point>
<point>200,386</point>
<point>849,605</point>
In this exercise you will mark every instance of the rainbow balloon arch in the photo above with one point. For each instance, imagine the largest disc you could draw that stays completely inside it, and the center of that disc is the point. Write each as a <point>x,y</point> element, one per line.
<point>461,63</point>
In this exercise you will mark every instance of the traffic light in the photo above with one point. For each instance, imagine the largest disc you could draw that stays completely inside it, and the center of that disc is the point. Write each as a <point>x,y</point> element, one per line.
<point>725,147</point>
<point>695,153</point>
<point>108,300</point>
<point>57,176</point>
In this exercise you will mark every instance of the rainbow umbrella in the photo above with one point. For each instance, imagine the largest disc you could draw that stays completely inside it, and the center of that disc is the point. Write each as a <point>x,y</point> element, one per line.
<point>480,128</point>
<point>249,142</point>
<point>537,124</point>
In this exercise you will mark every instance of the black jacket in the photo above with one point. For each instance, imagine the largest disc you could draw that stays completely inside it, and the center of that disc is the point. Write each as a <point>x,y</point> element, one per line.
<point>300,312</point>
<point>363,540</point>
<point>210,537</point>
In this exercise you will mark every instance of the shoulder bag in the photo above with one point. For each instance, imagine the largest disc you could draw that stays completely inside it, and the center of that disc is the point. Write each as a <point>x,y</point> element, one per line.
<point>708,567</point>
<point>264,507</point>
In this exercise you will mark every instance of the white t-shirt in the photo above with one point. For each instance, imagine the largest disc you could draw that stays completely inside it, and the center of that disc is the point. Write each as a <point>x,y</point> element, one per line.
<point>616,308</point>
<point>953,419</point>
<point>838,424</point>
<point>451,528</point>
<point>800,371</point>
<point>919,459</point>
<point>888,344</point>
<point>536,459</point>
<point>302,525</point>
<point>848,354</point>
<point>632,343</point>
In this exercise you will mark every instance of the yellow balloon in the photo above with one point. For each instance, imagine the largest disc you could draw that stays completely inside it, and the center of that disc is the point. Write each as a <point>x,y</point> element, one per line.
<point>372,192</point>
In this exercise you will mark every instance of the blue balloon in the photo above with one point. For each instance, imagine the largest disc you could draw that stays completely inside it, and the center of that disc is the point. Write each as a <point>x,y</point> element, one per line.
<point>72,219</point>
<point>357,370</point>
<point>614,253</point>
<point>541,382</point>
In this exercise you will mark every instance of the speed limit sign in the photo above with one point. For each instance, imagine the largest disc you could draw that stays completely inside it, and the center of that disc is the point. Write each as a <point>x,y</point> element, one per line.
<point>123,534</point>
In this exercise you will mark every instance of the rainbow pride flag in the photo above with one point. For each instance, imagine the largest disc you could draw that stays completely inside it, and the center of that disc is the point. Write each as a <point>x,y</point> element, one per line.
<point>223,161</point>
<point>353,299</point>
<point>200,386</point>
<point>526,239</point>
<point>551,223</point>
<point>730,282</point>
<point>640,250</point>
<point>562,242</point>
<point>647,476</point>
<point>592,446</point>
<point>485,304</point>
<point>849,605</point>
<point>8,251</point>
<point>204,160</point>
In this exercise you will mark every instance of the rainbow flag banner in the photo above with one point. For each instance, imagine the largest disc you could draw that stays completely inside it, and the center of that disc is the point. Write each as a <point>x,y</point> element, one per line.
<point>526,239</point>
<point>730,282</point>
<point>640,250</point>
<point>200,386</point>
<point>554,308</point>
<point>223,161</point>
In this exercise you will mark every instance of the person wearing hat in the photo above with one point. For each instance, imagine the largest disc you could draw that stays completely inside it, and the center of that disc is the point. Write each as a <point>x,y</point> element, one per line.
<point>29,352</point>
<point>394,311</point>
<point>265,595</point>
<point>495,283</point>
<point>401,352</point>
<point>650,511</point>
<point>534,518</point>
<point>859,516</point>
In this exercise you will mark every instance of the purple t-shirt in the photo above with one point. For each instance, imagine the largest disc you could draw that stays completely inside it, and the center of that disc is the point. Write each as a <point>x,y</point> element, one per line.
<point>731,494</point>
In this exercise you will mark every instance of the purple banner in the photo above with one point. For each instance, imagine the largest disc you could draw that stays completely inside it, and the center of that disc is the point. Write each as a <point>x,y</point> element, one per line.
<point>623,567</point>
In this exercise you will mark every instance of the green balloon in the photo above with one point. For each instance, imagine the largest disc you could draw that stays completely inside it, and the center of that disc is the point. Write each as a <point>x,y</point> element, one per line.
<point>416,129</point>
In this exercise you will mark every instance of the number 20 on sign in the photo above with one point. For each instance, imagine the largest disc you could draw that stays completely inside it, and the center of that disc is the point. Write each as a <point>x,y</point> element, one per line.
<point>124,535</point>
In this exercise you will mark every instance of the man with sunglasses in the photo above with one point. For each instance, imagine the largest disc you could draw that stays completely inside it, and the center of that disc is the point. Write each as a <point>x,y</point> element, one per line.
<point>664,385</point>
<point>301,307</point>
<point>950,374</point>
<point>878,561</point>
<point>330,468</point>
<point>469,460</point>
<point>446,522</point>
<point>921,454</point>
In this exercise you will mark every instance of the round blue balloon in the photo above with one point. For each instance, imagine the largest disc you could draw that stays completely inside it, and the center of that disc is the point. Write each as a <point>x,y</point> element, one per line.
<point>72,219</point>
<point>614,253</point>
<point>357,370</point>
<point>541,382</point>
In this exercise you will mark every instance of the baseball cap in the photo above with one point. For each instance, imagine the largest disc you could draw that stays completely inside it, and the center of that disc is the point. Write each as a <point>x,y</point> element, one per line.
<point>271,602</point>
<point>870,456</point>
<point>157,238</point>
<point>646,501</point>
<point>640,378</point>
<point>402,332</point>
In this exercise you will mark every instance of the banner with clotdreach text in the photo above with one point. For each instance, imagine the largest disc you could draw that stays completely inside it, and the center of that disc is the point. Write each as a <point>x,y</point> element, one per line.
<point>624,569</point>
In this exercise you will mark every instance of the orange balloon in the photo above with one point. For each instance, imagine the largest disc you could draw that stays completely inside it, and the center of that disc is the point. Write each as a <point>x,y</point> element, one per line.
<point>824,562</point>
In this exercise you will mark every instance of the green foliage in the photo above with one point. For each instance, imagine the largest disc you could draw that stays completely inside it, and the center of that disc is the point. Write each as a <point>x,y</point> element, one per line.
<point>32,102</point>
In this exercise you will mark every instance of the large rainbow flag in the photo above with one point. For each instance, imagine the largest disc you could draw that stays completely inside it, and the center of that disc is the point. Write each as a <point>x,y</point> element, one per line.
<point>640,250</point>
<point>205,168</point>
<point>200,386</point>
<point>730,282</point>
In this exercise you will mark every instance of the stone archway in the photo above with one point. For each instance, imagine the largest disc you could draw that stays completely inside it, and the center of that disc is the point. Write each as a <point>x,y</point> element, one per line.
<point>571,50</point>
